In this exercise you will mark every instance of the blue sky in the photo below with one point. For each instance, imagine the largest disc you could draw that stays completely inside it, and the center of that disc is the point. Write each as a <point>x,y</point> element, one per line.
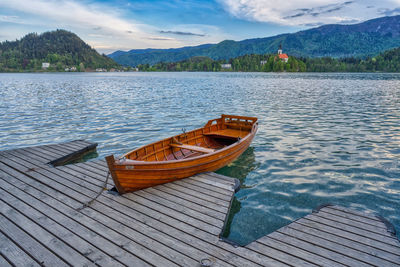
<point>109,25</point>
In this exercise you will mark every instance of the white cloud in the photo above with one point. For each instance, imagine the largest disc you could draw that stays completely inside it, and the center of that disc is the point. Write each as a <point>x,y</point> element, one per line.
<point>309,12</point>
<point>12,19</point>
<point>101,26</point>
<point>106,28</point>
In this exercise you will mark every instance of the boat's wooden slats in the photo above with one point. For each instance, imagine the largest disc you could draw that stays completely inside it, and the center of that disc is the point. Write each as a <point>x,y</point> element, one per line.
<point>167,225</point>
<point>231,133</point>
<point>193,148</point>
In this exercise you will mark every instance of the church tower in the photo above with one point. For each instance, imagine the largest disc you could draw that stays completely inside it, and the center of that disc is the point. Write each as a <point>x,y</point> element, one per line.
<point>280,49</point>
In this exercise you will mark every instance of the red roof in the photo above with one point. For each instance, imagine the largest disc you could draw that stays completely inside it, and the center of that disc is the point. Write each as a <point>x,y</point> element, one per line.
<point>283,56</point>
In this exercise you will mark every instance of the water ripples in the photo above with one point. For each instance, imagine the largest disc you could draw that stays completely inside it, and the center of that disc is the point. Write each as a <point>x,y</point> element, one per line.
<point>323,138</point>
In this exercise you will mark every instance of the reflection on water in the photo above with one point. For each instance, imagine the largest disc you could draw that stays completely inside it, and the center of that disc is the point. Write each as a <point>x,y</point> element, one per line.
<point>241,167</point>
<point>85,157</point>
<point>322,138</point>
<point>235,208</point>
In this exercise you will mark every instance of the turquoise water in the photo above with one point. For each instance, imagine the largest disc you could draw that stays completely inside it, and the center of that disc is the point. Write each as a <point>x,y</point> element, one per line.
<point>323,138</point>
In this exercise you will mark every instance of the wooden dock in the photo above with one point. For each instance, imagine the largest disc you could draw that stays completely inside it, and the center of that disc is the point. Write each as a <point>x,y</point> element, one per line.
<point>176,224</point>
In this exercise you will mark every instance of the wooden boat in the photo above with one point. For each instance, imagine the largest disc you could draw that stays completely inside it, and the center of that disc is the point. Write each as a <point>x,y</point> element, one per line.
<point>209,148</point>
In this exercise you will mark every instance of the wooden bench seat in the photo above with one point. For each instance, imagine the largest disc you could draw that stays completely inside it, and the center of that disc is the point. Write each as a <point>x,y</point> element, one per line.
<point>228,133</point>
<point>194,148</point>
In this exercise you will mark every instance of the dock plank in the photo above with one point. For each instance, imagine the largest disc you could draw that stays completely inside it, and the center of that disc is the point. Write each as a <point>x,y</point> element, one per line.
<point>350,216</point>
<point>30,245</point>
<point>352,229</point>
<point>175,224</point>
<point>354,237</point>
<point>59,247</point>
<point>14,254</point>
<point>67,232</point>
<point>361,247</point>
<point>337,249</point>
<point>351,222</point>
<point>97,229</point>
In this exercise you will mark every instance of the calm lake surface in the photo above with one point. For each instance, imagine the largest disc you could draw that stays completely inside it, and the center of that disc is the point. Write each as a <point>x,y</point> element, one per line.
<point>323,138</point>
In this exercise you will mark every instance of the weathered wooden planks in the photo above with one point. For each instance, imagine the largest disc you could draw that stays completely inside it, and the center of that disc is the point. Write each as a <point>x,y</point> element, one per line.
<point>175,224</point>
<point>342,237</point>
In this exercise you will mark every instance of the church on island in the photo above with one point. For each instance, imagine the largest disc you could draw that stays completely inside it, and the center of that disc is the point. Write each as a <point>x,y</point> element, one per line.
<point>281,56</point>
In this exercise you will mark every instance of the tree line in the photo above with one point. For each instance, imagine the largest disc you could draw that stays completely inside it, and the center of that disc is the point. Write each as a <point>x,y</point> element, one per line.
<point>246,63</point>
<point>388,61</point>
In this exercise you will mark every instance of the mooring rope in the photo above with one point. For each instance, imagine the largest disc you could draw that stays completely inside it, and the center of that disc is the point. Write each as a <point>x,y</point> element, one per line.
<point>104,187</point>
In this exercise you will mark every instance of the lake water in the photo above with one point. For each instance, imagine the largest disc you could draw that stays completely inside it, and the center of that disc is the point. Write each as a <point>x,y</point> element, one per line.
<point>323,138</point>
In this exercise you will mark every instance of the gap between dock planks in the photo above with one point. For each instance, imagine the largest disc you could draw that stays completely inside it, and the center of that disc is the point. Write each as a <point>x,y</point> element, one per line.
<point>175,224</point>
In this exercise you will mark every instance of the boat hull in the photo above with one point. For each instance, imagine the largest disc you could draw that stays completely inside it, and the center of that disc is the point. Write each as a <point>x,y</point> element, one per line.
<point>130,176</point>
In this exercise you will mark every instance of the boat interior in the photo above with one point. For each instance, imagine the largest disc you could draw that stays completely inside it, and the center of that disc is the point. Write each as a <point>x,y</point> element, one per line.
<point>215,135</point>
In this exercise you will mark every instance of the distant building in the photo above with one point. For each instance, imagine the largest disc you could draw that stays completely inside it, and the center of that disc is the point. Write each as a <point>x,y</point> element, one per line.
<point>284,57</point>
<point>226,66</point>
<point>45,65</point>
<point>101,70</point>
<point>281,56</point>
<point>70,69</point>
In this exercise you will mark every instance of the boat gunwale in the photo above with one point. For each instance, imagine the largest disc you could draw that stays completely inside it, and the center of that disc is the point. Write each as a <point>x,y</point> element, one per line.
<point>144,163</point>
<point>174,168</point>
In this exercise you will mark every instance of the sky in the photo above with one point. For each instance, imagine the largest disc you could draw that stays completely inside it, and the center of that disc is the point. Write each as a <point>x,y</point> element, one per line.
<point>110,25</point>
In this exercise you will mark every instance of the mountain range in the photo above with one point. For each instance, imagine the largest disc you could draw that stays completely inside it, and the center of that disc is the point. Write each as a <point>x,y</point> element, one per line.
<point>365,39</point>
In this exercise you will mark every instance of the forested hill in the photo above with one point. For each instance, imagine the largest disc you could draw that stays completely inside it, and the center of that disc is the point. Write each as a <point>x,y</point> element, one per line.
<point>388,61</point>
<point>62,49</point>
<point>338,41</point>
